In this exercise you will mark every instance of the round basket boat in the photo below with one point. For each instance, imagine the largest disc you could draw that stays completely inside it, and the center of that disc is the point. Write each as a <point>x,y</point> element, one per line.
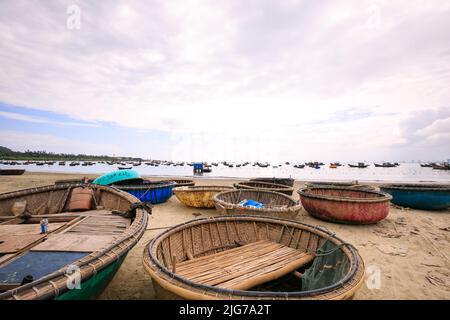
<point>153,192</point>
<point>95,240</point>
<point>183,182</point>
<point>284,181</point>
<point>199,196</point>
<point>352,184</point>
<point>275,204</point>
<point>252,185</point>
<point>178,258</point>
<point>419,196</point>
<point>345,205</point>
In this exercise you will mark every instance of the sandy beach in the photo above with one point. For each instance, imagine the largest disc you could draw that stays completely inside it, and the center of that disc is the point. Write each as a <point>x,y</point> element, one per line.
<point>410,247</point>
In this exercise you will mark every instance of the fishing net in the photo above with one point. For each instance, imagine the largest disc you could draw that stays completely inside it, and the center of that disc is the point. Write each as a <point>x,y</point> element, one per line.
<point>329,266</point>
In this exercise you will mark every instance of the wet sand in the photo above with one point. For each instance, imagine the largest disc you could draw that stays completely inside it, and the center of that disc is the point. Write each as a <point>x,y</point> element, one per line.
<point>410,247</point>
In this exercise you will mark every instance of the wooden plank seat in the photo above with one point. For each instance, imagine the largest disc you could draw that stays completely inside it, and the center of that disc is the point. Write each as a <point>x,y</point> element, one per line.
<point>244,267</point>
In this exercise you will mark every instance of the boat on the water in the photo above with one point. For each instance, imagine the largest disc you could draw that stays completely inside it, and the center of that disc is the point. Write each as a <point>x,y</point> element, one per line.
<point>272,204</point>
<point>359,165</point>
<point>11,172</point>
<point>48,233</point>
<point>182,182</point>
<point>254,185</point>
<point>345,205</point>
<point>252,257</point>
<point>419,196</point>
<point>444,166</point>
<point>199,196</point>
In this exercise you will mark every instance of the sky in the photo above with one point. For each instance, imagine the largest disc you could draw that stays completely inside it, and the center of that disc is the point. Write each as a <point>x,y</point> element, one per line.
<point>232,80</point>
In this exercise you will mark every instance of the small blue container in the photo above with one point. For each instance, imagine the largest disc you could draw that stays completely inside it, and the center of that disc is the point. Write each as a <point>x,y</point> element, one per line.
<point>253,203</point>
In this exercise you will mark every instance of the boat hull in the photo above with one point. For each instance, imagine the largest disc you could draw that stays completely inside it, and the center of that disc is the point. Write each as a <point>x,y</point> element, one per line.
<point>345,209</point>
<point>11,172</point>
<point>153,196</point>
<point>419,199</point>
<point>91,288</point>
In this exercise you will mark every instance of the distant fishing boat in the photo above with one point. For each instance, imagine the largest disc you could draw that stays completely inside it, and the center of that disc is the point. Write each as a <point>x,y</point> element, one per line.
<point>124,168</point>
<point>46,233</point>
<point>426,165</point>
<point>385,165</point>
<point>359,165</point>
<point>333,166</point>
<point>11,172</point>
<point>444,166</point>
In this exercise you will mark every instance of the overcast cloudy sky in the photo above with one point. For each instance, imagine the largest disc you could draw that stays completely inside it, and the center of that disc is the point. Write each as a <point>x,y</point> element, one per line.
<point>234,80</point>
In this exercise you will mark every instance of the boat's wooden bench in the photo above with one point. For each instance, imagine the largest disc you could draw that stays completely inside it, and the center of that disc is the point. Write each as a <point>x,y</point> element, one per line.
<point>243,267</point>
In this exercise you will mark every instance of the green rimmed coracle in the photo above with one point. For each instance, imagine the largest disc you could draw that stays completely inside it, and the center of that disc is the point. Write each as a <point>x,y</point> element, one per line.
<point>93,241</point>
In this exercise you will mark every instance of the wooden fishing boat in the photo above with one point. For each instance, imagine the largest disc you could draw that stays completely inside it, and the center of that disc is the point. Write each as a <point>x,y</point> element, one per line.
<point>359,165</point>
<point>11,172</point>
<point>274,203</point>
<point>198,196</point>
<point>90,230</point>
<point>182,182</point>
<point>385,165</point>
<point>333,166</point>
<point>284,181</point>
<point>350,184</point>
<point>147,191</point>
<point>444,166</point>
<point>419,196</point>
<point>252,257</point>
<point>254,185</point>
<point>345,205</point>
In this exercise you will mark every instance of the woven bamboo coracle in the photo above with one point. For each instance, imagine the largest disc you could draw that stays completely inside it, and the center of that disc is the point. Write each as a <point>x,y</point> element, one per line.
<point>198,241</point>
<point>54,202</point>
<point>275,204</point>
<point>251,185</point>
<point>198,196</point>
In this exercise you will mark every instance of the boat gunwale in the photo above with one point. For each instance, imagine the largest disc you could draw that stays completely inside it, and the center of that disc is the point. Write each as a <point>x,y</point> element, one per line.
<point>416,187</point>
<point>201,189</point>
<point>270,186</point>
<point>382,196</point>
<point>154,186</point>
<point>295,207</point>
<point>50,284</point>
<point>151,247</point>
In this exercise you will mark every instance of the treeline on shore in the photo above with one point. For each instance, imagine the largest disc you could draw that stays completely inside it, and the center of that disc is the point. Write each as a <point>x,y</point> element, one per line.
<point>8,154</point>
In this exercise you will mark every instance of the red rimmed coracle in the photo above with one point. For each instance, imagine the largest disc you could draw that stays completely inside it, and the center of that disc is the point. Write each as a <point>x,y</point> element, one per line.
<point>345,205</point>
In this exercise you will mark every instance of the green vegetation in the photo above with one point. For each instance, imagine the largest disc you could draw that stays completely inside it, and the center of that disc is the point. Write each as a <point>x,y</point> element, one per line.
<point>8,154</point>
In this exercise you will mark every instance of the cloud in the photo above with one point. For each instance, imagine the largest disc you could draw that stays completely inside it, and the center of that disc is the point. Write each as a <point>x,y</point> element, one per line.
<point>299,68</point>
<point>27,118</point>
<point>22,141</point>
